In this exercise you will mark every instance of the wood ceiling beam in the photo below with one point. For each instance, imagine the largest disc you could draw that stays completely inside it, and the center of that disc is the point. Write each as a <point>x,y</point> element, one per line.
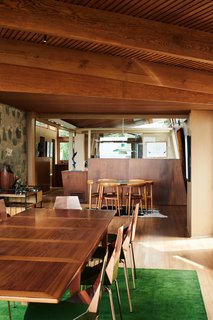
<point>113,116</point>
<point>77,62</point>
<point>20,79</point>
<point>75,22</point>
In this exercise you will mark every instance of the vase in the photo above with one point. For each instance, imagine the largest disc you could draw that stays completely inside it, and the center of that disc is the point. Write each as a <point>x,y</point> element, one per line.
<point>6,177</point>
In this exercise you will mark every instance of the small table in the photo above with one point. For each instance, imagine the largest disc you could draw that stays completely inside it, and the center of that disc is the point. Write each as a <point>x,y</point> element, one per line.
<point>42,250</point>
<point>21,201</point>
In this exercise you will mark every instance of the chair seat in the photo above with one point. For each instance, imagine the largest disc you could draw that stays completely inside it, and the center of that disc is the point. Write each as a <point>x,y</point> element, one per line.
<point>61,311</point>
<point>95,194</point>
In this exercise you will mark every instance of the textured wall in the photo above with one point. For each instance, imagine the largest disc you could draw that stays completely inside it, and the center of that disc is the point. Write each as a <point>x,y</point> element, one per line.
<point>13,140</point>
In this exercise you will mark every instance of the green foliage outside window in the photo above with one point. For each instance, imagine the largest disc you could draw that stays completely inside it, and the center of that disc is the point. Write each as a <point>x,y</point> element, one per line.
<point>64,151</point>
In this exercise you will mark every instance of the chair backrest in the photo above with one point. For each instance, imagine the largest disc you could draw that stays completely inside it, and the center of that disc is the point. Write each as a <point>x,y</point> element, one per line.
<point>95,302</point>
<point>127,238</point>
<point>134,222</point>
<point>130,232</point>
<point>67,202</point>
<point>113,264</point>
<point>3,213</point>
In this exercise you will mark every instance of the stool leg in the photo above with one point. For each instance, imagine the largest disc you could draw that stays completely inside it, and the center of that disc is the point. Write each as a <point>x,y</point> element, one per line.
<point>90,196</point>
<point>118,201</point>
<point>151,199</point>
<point>145,199</point>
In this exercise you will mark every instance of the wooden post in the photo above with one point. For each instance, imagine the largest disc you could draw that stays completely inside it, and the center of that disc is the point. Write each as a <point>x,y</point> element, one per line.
<point>31,138</point>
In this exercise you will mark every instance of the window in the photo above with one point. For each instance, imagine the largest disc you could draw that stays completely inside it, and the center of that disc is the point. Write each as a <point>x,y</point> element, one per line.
<point>63,146</point>
<point>64,150</point>
<point>115,150</point>
<point>63,133</point>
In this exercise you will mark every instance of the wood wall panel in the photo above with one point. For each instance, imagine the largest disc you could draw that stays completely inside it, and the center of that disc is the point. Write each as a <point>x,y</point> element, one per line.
<point>75,184</point>
<point>58,168</point>
<point>167,175</point>
<point>42,173</point>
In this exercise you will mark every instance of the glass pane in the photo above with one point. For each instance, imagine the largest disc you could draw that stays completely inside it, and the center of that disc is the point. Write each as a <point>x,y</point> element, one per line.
<point>64,151</point>
<point>41,124</point>
<point>115,150</point>
<point>63,133</point>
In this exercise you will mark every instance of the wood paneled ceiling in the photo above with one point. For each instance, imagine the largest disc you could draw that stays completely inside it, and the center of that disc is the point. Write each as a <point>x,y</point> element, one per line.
<point>66,58</point>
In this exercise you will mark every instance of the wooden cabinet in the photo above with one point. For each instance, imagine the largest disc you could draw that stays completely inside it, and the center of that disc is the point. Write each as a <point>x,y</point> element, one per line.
<point>58,168</point>
<point>75,183</point>
<point>42,167</point>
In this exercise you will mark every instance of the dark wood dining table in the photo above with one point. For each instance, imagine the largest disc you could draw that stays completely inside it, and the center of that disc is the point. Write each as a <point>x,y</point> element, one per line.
<point>42,250</point>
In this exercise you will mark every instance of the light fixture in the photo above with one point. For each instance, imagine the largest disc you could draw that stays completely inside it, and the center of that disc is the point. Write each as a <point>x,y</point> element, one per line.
<point>122,149</point>
<point>45,38</point>
<point>123,127</point>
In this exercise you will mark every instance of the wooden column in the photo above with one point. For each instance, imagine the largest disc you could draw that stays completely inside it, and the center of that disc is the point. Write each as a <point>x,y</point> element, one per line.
<point>31,138</point>
<point>200,200</point>
<point>89,144</point>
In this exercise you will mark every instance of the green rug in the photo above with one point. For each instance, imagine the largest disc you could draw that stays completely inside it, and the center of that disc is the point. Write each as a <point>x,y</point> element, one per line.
<point>159,294</point>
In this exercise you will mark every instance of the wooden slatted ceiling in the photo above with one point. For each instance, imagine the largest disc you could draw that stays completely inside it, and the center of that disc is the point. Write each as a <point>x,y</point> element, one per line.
<point>103,49</point>
<point>195,14</point>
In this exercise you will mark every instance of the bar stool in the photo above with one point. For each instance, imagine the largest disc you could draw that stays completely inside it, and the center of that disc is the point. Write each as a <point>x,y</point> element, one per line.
<point>109,191</point>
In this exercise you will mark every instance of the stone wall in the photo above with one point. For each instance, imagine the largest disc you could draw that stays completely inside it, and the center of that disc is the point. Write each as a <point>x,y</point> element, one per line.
<point>13,140</point>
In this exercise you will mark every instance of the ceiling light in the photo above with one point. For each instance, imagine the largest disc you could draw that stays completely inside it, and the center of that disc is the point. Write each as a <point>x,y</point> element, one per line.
<point>45,38</point>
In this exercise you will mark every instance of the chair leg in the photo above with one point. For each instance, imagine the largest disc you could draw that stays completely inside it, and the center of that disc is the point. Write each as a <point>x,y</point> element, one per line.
<point>145,199</point>
<point>127,284</point>
<point>132,266</point>
<point>151,198</point>
<point>90,196</point>
<point>117,201</point>
<point>111,302</point>
<point>119,298</point>
<point>9,310</point>
<point>133,259</point>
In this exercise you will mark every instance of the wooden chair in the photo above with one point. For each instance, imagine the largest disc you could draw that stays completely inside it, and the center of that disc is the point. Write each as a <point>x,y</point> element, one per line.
<point>149,194</point>
<point>75,307</point>
<point>114,196</point>
<point>99,254</point>
<point>67,202</point>
<point>127,246</point>
<point>92,195</point>
<point>89,273</point>
<point>132,238</point>
<point>136,194</point>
